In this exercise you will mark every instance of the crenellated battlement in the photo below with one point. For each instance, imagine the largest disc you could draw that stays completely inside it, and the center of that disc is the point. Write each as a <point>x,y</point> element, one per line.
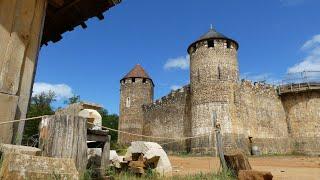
<point>173,97</point>
<point>259,87</point>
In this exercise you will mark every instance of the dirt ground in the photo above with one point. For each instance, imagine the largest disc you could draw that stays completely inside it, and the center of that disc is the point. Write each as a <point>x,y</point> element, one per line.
<point>281,167</point>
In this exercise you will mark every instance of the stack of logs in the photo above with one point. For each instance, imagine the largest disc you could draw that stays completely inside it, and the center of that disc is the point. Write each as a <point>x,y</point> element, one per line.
<point>137,164</point>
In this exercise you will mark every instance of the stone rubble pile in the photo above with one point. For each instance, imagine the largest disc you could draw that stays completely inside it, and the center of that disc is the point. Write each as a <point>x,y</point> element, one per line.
<point>143,156</point>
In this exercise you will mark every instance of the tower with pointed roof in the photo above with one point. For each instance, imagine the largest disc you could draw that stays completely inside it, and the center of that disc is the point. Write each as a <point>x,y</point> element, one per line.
<point>213,79</point>
<point>136,90</point>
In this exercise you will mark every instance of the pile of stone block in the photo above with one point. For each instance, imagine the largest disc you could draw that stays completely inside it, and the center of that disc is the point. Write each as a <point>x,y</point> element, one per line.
<point>142,156</point>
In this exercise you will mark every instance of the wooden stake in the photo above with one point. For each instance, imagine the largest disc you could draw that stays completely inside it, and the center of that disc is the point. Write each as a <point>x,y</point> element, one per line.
<point>219,144</point>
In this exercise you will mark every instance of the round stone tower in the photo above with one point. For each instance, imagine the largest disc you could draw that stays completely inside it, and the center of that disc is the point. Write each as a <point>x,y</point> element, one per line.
<point>136,90</point>
<point>214,74</point>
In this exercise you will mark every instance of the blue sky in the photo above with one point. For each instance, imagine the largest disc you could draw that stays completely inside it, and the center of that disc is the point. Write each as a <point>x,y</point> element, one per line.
<point>275,37</point>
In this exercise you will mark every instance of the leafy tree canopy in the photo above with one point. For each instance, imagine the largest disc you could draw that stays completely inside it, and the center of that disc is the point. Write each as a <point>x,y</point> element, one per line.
<point>41,104</point>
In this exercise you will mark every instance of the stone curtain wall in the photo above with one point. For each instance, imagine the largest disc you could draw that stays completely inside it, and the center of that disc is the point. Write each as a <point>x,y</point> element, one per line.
<point>263,118</point>
<point>303,116</point>
<point>131,114</point>
<point>168,117</point>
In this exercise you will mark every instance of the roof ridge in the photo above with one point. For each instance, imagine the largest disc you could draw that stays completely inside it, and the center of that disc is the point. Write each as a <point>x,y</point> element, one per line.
<point>137,72</point>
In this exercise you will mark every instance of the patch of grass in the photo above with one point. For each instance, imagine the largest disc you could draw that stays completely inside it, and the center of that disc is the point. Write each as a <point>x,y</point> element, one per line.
<point>87,175</point>
<point>154,176</point>
<point>120,148</point>
<point>111,171</point>
<point>278,155</point>
<point>206,176</point>
<point>185,154</point>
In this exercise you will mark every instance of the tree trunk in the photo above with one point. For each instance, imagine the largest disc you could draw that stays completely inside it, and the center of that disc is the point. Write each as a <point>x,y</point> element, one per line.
<point>236,162</point>
<point>64,136</point>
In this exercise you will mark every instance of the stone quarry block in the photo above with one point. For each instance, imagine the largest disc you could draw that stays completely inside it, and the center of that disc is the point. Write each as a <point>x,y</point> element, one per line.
<point>94,158</point>
<point>22,166</point>
<point>150,151</point>
<point>9,148</point>
<point>254,175</point>
<point>115,159</point>
<point>94,161</point>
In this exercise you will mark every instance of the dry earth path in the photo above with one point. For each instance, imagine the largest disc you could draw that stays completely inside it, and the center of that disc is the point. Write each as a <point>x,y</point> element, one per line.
<point>282,167</point>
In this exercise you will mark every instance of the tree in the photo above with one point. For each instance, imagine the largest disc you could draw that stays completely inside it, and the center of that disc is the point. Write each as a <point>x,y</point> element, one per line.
<point>41,104</point>
<point>110,121</point>
<point>73,99</point>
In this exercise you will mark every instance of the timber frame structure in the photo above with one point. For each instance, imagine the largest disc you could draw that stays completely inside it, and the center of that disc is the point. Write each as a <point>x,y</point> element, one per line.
<point>25,25</point>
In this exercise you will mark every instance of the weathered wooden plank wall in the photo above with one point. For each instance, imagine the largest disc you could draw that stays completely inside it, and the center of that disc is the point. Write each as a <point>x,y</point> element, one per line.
<point>64,136</point>
<point>21,24</point>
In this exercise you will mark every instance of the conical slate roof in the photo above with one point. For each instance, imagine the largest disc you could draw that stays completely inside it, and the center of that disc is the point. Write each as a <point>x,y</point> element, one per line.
<point>213,34</point>
<point>137,72</point>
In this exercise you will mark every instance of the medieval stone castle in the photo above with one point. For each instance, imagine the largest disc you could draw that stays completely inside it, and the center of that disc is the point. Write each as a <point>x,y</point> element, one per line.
<point>276,119</point>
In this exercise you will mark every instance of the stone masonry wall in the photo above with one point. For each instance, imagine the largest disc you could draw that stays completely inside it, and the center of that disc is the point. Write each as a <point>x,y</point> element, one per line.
<point>213,76</point>
<point>133,96</point>
<point>169,117</point>
<point>263,118</point>
<point>303,117</point>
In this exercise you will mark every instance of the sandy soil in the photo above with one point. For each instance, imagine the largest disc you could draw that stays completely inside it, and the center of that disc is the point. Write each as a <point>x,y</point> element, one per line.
<point>282,168</point>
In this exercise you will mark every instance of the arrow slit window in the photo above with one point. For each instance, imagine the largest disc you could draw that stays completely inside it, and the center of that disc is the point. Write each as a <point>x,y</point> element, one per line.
<point>128,103</point>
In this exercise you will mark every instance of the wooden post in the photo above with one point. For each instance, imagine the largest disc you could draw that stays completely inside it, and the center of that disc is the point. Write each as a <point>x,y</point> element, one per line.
<point>29,69</point>
<point>105,156</point>
<point>21,23</point>
<point>64,136</point>
<point>219,144</point>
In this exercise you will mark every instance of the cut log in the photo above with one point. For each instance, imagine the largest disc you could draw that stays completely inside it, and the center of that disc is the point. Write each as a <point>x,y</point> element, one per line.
<point>236,162</point>
<point>254,175</point>
<point>64,136</point>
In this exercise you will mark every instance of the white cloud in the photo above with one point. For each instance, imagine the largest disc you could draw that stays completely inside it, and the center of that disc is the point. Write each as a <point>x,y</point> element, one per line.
<point>291,2</point>
<point>312,60</point>
<point>62,91</point>
<point>315,41</point>
<point>182,62</point>
<point>175,87</point>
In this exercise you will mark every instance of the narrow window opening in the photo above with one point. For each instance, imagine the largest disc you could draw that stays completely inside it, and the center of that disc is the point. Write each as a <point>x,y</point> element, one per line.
<point>144,80</point>
<point>210,43</point>
<point>133,79</point>
<point>219,72</point>
<point>128,103</point>
<point>228,44</point>
<point>198,74</point>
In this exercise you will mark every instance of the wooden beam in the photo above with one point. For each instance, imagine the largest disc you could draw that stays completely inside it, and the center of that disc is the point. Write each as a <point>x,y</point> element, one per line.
<point>105,156</point>
<point>28,69</point>
<point>20,24</point>
<point>56,3</point>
